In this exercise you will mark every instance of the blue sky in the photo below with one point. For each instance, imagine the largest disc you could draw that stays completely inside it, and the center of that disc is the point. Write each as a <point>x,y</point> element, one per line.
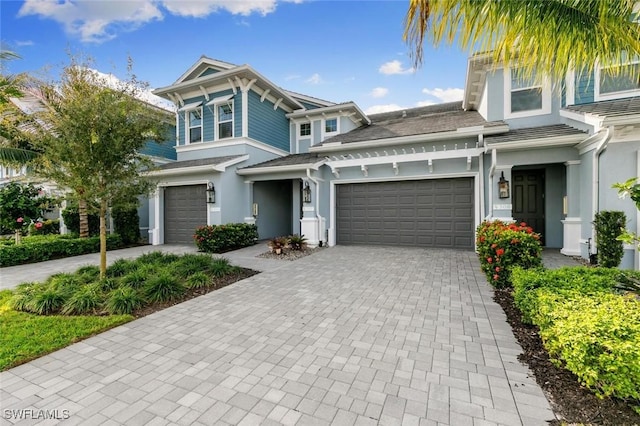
<point>334,50</point>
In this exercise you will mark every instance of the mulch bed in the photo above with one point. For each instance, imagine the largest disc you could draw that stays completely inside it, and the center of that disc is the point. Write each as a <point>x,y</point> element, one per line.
<point>571,402</point>
<point>195,292</point>
<point>288,254</point>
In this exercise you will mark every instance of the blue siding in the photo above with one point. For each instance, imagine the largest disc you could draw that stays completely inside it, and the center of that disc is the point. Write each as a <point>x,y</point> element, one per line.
<point>181,128</point>
<point>584,87</point>
<point>308,105</point>
<point>208,115</point>
<point>267,125</point>
<point>164,149</point>
<point>208,71</point>
<point>237,115</point>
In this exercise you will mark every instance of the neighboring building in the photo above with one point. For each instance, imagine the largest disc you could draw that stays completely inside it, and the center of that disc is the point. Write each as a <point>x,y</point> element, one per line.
<point>420,177</point>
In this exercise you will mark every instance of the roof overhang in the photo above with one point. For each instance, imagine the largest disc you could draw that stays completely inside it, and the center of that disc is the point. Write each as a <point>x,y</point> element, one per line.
<point>475,80</point>
<point>357,115</point>
<point>423,137</point>
<point>547,142</point>
<point>220,168</point>
<point>281,169</point>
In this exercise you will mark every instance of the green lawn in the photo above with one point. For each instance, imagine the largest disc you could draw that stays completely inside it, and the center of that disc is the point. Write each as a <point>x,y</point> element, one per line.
<point>25,336</point>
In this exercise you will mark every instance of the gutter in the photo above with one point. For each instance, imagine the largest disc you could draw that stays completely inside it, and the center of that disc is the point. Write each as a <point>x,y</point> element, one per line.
<point>595,202</point>
<point>280,169</point>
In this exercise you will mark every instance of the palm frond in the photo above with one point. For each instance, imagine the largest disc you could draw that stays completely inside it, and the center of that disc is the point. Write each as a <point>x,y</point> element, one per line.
<point>16,155</point>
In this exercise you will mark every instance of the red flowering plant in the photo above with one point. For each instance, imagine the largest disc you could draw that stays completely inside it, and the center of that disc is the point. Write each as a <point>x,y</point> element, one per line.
<point>502,246</point>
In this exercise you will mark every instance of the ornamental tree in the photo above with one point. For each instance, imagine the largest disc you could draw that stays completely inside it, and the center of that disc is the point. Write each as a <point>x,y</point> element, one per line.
<point>90,131</point>
<point>631,189</point>
<point>21,204</point>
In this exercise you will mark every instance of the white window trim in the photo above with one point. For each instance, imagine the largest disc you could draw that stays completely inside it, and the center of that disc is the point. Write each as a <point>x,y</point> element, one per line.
<point>324,134</point>
<point>546,98</point>
<point>300,135</point>
<point>187,125</point>
<point>597,96</point>
<point>216,128</point>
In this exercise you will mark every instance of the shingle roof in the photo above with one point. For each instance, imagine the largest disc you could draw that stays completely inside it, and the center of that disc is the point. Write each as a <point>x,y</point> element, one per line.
<point>612,108</point>
<point>423,120</point>
<point>535,133</point>
<point>213,161</point>
<point>289,160</point>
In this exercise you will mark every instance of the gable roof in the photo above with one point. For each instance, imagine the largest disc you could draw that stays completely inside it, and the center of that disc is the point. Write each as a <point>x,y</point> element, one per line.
<point>417,121</point>
<point>340,108</point>
<point>289,162</point>
<point>310,99</point>
<point>202,64</point>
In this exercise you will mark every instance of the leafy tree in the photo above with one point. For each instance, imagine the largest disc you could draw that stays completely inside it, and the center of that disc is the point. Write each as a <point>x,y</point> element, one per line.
<point>549,36</point>
<point>19,205</point>
<point>631,189</point>
<point>90,132</point>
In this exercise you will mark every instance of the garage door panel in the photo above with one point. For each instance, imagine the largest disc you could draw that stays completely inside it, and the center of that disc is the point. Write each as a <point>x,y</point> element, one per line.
<point>429,213</point>
<point>185,209</point>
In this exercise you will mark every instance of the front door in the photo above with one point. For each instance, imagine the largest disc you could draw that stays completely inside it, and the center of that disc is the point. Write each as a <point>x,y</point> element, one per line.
<point>528,198</point>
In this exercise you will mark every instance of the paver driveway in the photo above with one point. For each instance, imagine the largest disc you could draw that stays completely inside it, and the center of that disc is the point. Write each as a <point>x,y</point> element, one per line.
<point>349,335</point>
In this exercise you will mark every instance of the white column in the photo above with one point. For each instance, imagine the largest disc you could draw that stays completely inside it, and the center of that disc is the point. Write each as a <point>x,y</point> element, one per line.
<point>572,222</point>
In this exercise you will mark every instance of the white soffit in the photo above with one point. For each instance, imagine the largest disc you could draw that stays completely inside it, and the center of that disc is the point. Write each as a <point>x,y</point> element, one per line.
<point>190,106</point>
<point>219,99</point>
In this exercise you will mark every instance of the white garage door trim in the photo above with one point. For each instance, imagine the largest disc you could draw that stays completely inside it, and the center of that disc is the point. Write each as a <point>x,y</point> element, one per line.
<point>477,188</point>
<point>158,198</point>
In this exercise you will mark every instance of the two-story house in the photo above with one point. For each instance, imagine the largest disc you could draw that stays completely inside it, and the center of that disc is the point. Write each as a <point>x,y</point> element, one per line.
<point>424,176</point>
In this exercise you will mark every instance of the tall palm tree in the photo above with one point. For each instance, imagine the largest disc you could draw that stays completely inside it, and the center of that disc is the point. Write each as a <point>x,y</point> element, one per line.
<point>548,36</point>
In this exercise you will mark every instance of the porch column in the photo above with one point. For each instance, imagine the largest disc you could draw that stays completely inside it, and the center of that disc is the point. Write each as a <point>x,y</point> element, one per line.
<point>156,218</point>
<point>309,224</point>
<point>248,202</point>
<point>502,208</point>
<point>571,209</point>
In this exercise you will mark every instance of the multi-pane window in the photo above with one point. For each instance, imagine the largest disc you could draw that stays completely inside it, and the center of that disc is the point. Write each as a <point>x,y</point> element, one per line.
<point>331,125</point>
<point>526,94</point>
<point>194,118</point>
<point>305,129</point>
<point>625,79</point>
<point>225,120</point>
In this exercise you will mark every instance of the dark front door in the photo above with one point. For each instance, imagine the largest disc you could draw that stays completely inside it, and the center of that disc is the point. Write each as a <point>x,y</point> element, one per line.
<point>528,198</point>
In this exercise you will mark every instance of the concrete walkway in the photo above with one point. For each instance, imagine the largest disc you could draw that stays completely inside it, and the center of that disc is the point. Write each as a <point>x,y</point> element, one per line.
<point>11,276</point>
<point>348,335</point>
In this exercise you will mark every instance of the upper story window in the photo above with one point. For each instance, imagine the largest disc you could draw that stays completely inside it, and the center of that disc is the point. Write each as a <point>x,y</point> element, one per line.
<point>194,125</point>
<point>305,129</point>
<point>622,83</point>
<point>224,120</point>
<point>525,95</point>
<point>331,125</point>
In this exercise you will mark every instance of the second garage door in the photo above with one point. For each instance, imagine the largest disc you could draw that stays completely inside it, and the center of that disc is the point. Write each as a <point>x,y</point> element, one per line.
<point>185,208</point>
<point>423,213</point>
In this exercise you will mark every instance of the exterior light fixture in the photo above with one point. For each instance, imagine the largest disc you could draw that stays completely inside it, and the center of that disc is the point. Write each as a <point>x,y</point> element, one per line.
<point>211,193</point>
<point>503,187</point>
<point>306,193</point>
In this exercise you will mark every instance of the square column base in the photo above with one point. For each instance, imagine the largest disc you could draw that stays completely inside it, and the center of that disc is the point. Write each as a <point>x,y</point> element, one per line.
<point>571,236</point>
<point>310,229</point>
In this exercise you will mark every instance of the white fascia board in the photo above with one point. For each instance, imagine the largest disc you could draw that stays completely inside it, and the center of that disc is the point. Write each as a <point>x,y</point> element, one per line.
<point>203,61</point>
<point>404,158</point>
<point>590,119</point>
<point>310,99</point>
<point>325,110</point>
<point>182,171</point>
<point>231,142</point>
<point>223,166</point>
<point>190,106</point>
<point>538,143</point>
<point>281,169</point>
<point>625,119</point>
<point>423,137</point>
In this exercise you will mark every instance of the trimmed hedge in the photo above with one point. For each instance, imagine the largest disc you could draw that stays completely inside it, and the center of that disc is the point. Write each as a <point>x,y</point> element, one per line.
<point>585,325</point>
<point>71,216</point>
<point>502,247</point>
<point>609,226</point>
<point>126,223</point>
<point>222,238</point>
<point>47,227</point>
<point>53,248</point>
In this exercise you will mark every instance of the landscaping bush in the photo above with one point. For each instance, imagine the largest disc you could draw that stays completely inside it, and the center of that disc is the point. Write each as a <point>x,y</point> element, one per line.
<point>53,248</point>
<point>46,227</point>
<point>71,217</point>
<point>86,300</point>
<point>222,238</point>
<point>126,223</point>
<point>123,300</point>
<point>502,247</point>
<point>163,288</point>
<point>609,226</point>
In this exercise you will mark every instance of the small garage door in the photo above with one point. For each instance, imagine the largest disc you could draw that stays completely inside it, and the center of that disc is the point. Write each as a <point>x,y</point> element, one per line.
<point>422,213</point>
<point>185,208</point>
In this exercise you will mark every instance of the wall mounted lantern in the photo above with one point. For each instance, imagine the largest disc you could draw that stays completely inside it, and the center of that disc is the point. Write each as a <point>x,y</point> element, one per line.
<point>503,187</point>
<point>211,193</point>
<point>306,193</point>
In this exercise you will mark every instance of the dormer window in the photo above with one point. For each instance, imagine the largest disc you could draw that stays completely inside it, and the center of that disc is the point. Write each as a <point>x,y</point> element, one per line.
<point>194,127</point>
<point>331,125</point>
<point>525,95</point>
<point>305,129</point>
<point>623,83</point>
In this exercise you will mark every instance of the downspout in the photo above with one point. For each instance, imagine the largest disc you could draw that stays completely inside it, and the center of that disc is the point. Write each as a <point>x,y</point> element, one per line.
<point>492,169</point>
<point>320,218</point>
<point>608,133</point>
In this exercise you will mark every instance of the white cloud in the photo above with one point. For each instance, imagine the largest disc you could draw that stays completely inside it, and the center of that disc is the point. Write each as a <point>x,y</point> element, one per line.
<point>21,43</point>
<point>292,77</point>
<point>379,92</point>
<point>99,21</point>
<point>425,103</point>
<point>377,109</point>
<point>315,79</point>
<point>445,95</point>
<point>394,67</point>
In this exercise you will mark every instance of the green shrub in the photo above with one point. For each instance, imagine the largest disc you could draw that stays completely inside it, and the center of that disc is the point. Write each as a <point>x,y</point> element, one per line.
<point>502,247</point>
<point>52,247</point>
<point>561,283</point>
<point>609,226</point>
<point>121,267</point>
<point>86,300</point>
<point>298,242</point>
<point>221,267</point>
<point>597,338</point>
<point>108,284</point>
<point>88,273</point>
<point>190,264</point>
<point>46,227</point>
<point>163,288</point>
<point>123,300</point>
<point>71,217</point>
<point>154,257</point>
<point>222,238</point>
<point>135,279</point>
<point>198,280</point>
<point>126,223</point>
<point>65,283</point>
<point>22,296</point>
<point>46,300</point>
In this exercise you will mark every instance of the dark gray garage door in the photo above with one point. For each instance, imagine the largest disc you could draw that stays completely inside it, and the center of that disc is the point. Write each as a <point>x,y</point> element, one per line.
<point>423,213</point>
<point>185,208</point>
